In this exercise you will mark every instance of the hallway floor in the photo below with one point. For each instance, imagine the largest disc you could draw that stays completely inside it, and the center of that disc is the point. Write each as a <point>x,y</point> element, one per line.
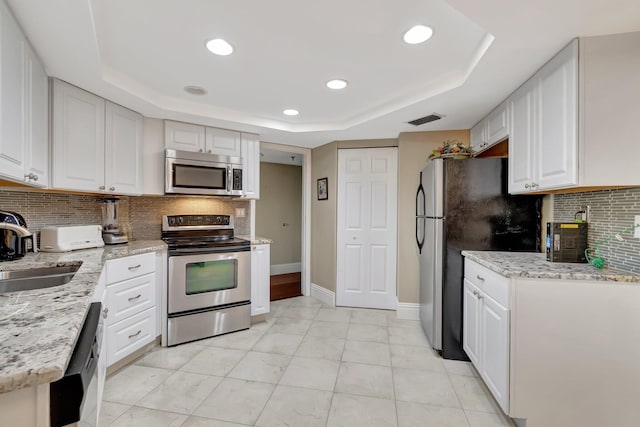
<point>308,365</point>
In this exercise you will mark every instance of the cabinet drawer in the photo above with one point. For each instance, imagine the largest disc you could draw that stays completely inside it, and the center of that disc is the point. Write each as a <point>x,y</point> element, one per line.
<point>130,297</point>
<point>489,282</point>
<point>130,267</point>
<point>125,337</point>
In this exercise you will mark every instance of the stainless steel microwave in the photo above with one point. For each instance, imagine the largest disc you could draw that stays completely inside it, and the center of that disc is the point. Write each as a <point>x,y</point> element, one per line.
<point>202,173</point>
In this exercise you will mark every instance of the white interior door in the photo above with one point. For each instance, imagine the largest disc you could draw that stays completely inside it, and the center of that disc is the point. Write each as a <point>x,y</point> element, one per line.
<point>367,227</point>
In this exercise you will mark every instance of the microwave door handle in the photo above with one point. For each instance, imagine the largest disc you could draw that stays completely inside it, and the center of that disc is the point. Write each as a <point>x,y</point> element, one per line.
<point>229,178</point>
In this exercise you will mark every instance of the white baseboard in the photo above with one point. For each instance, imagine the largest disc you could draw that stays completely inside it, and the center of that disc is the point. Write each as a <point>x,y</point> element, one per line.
<point>408,311</point>
<point>294,267</point>
<point>324,295</point>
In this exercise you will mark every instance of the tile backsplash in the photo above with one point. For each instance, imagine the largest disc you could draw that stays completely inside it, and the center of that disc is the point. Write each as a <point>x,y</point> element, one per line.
<point>142,213</point>
<point>612,212</point>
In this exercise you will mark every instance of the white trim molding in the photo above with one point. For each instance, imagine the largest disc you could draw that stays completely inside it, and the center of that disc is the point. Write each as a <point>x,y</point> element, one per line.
<point>294,267</point>
<point>408,310</point>
<point>323,295</point>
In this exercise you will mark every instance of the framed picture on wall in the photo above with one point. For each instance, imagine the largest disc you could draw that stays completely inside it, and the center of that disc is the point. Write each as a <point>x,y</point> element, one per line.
<point>323,190</point>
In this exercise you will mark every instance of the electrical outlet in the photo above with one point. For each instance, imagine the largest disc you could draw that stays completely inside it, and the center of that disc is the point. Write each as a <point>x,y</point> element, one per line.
<point>241,212</point>
<point>636,232</point>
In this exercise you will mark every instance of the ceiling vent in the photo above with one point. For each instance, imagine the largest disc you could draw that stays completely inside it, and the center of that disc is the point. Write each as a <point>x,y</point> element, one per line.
<point>426,119</point>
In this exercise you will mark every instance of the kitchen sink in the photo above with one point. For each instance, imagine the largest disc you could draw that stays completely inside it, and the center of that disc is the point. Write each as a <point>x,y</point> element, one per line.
<point>36,278</point>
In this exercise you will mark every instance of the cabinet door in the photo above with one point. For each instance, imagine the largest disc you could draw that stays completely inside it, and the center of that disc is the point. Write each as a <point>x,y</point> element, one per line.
<point>260,277</point>
<point>471,323</point>
<point>521,138</point>
<point>12,123</point>
<point>78,139</point>
<point>495,349</point>
<point>223,142</point>
<point>556,124</point>
<point>498,124</point>
<point>183,136</point>
<point>251,165</point>
<point>123,150</point>
<point>478,136</point>
<point>37,120</point>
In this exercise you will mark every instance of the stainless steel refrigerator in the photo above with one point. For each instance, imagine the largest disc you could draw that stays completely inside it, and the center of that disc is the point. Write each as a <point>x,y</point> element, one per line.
<point>460,205</point>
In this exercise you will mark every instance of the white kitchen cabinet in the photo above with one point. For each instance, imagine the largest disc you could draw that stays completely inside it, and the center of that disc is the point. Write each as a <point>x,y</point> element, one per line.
<point>123,150</point>
<point>222,142</point>
<point>522,138</point>
<point>471,322</point>
<point>543,149</point>
<point>251,165</point>
<point>78,139</point>
<point>24,145</point>
<point>478,136</point>
<point>12,120</point>
<point>260,279</point>
<point>131,304</point>
<point>486,328</point>
<point>497,127</point>
<point>96,144</point>
<point>491,130</point>
<point>184,136</point>
<point>37,122</point>
<point>201,139</point>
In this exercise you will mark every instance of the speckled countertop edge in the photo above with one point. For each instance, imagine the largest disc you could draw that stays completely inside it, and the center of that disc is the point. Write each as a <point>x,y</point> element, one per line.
<point>256,240</point>
<point>39,328</point>
<point>535,266</point>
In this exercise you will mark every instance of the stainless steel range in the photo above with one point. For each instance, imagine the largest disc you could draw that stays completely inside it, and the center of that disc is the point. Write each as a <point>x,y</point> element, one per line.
<point>209,280</point>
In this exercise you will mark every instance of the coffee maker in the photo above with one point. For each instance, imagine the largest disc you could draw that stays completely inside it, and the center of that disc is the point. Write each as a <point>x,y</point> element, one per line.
<point>111,233</point>
<point>14,236</point>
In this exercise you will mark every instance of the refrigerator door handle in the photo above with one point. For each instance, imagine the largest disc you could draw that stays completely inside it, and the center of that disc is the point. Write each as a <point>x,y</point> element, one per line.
<point>419,241</point>
<point>420,190</point>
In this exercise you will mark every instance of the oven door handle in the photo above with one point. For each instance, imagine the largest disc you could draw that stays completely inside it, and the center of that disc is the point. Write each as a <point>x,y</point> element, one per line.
<point>207,251</point>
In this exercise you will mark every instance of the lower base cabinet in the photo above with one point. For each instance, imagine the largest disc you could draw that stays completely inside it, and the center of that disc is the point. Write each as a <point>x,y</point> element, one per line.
<point>260,279</point>
<point>486,328</point>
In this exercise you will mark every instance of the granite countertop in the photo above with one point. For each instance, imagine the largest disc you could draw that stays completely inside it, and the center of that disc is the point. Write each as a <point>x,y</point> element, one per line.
<point>534,265</point>
<point>256,240</point>
<point>39,328</point>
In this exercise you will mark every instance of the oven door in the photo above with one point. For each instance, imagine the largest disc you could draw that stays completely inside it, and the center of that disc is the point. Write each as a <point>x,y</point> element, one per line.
<point>200,281</point>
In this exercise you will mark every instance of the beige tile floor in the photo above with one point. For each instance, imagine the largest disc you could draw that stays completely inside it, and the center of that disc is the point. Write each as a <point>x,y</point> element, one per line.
<point>308,365</point>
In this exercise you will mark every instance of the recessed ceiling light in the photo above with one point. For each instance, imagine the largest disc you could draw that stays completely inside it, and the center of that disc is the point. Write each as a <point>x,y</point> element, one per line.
<point>220,47</point>
<point>337,84</point>
<point>418,34</point>
<point>290,112</point>
<point>195,90</point>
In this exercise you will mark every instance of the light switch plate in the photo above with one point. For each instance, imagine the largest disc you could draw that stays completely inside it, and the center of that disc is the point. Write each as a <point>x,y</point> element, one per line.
<point>636,232</point>
<point>241,213</point>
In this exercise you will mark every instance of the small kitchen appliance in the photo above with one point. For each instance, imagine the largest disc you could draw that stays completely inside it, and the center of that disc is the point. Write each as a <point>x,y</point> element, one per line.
<point>209,278</point>
<point>202,173</point>
<point>566,241</point>
<point>65,238</point>
<point>111,233</point>
<point>14,236</point>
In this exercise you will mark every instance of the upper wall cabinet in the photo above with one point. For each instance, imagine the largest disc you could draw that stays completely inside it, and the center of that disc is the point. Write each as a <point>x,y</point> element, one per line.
<point>189,137</point>
<point>491,130</point>
<point>251,165</point>
<point>574,123</point>
<point>96,144</point>
<point>24,154</point>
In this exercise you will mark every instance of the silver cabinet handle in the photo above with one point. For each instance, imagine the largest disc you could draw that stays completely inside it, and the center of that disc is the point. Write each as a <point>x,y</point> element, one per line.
<point>136,334</point>
<point>533,185</point>
<point>34,177</point>
<point>479,277</point>
<point>255,248</point>
<point>105,312</point>
<point>135,267</point>
<point>135,298</point>
<point>112,188</point>
<point>475,293</point>
<point>102,187</point>
<point>480,296</point>
<point>527,186</point>
<point>201,150</point>
<point>208,151</point>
